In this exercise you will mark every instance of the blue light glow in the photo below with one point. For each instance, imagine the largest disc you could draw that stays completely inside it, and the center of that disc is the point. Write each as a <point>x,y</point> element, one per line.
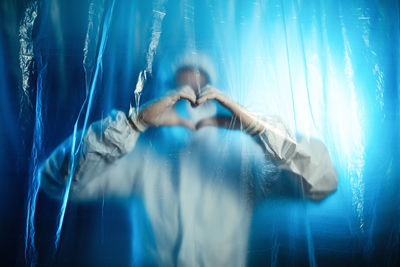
<point>329,70</point>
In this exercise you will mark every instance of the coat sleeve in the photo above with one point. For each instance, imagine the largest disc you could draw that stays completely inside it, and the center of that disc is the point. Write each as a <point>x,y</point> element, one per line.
<point>308,159</point>
<point>96,162</point>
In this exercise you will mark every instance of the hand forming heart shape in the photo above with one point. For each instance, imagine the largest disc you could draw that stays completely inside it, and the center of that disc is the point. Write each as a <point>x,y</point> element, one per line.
<point>162,112</point>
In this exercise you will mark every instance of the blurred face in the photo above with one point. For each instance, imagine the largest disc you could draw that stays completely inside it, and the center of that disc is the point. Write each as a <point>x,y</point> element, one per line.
<point>192,77</point>
<point>196,79</point>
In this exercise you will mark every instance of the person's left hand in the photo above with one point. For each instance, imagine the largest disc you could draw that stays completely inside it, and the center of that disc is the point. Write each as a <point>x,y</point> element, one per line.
<point>241,118</point>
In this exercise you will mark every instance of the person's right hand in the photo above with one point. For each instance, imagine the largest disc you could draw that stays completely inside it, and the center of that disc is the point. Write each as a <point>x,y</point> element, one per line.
<point>162,112</point>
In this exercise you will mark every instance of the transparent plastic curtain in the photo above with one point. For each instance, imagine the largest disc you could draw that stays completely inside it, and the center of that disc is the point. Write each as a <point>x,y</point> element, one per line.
<point>329,69</point>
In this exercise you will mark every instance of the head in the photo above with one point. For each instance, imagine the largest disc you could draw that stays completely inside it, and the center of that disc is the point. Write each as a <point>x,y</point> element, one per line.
<point>196,78</point>
<point>179,68</point>
<point>188,68</point>
<point>192,76</point>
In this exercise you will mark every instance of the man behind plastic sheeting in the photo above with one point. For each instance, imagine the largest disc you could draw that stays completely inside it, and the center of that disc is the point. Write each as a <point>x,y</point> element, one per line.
<point>198,186</point>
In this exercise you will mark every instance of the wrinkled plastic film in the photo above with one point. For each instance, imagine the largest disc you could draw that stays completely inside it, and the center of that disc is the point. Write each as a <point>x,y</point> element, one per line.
<point>26,60</point>
<point>75,149</point>
<point>92,72</point>
<point>156,30</point>
<point>95,16</point>
<point>327,70</point>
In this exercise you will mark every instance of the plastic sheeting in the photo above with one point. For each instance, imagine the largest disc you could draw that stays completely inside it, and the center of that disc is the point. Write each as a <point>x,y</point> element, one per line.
<point>328,69</point>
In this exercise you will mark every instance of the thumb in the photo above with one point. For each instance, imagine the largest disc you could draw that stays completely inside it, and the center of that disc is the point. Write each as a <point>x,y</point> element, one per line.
<point>229,122</point>
<point>186,123</point>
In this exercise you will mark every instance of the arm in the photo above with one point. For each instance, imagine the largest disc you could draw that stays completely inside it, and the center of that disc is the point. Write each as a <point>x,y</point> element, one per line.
<point>308,160</point>
<point>103,144</point>
<point>99,170</point>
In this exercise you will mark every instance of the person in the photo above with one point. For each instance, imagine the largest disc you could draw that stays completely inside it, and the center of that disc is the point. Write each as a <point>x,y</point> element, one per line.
<point>198,194</point>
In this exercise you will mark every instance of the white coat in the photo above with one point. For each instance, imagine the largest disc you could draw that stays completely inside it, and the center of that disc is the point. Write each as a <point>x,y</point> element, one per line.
<point>198,192</point>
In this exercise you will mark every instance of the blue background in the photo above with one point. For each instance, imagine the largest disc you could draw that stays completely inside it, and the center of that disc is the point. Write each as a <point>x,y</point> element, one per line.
<point>330,69</point>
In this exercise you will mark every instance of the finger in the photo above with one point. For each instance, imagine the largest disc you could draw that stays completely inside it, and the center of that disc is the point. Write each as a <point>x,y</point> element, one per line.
<point>222,100</point>
<point>182,93</point>
<point>188,94</point>
<point>229,122</point>
<point>214,94</point>
<point>206,96</point>
<point>188,124</point>
<point>208,88</point>
<point>211,93</point>
<point>190,98</point>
